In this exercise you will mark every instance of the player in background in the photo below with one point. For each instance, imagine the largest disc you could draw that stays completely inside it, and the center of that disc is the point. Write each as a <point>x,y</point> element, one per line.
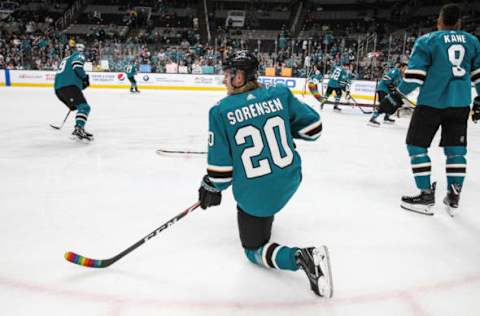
<point>251,147</point>
<point>389,83</point>
<point>443,64</point>
<point>131,71</point>
<point>347,82</point>
<point>337,82</point>
<point>70,80</point>
<point>314,83</point>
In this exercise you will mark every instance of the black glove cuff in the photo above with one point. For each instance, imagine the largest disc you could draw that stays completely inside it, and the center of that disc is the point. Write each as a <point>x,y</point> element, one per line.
<point>208,185</point>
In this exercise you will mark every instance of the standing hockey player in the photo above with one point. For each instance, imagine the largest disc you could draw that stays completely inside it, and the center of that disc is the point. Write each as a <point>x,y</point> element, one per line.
<point>70,80</point>
<point>389,83</point>
<point>337,82</point>
<point>131,71</point>
<point>443,64</point>
<point>251,147</point>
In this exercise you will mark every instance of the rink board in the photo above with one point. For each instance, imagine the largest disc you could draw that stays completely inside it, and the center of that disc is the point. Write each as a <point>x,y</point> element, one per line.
<point>360,89</point>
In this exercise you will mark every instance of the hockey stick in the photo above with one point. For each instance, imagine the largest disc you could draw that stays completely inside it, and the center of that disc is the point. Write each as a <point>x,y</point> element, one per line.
<point>103,263</point>
<point>184,152</point>
<point>63,123</point>
<point>358,106</point>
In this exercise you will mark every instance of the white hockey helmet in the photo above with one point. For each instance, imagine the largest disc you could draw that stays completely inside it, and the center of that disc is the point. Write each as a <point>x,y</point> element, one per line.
<point>79,47</point>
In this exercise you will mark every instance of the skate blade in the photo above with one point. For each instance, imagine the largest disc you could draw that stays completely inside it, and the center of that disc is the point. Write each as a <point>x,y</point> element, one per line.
<point>419,210</point>
<point>80,140</point>
<point>321,258</point>
<point>389,123</point>
<point>450,210</point>
<point>373,125</point>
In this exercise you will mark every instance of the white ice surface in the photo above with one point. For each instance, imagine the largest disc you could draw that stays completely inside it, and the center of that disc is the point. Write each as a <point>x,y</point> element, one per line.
<point>98,199</point>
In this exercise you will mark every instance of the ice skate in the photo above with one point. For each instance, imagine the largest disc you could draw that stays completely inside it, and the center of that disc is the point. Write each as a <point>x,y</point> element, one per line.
<point>79,133</point>
<point>388,120</point>
<point>452,198</point>
<point>421,203</point>
<point>315,262</point>
<point>373,122</point>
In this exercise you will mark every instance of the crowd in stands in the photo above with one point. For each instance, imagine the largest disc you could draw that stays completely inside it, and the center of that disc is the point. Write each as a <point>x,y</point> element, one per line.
<point>34,43</point>
<point>37,45</point>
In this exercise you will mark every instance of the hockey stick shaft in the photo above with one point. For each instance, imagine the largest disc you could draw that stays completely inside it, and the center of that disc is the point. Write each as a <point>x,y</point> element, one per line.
<point>64,120</point>
<point>357,104</point>
<point>103,263</point>
<point>186,152</point>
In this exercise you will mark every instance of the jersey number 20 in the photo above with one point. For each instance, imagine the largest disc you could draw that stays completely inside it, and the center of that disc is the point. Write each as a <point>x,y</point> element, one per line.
<point>263,167</point>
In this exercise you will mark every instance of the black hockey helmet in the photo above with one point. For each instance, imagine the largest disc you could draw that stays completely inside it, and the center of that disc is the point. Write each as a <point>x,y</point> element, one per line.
<point>242,60</point>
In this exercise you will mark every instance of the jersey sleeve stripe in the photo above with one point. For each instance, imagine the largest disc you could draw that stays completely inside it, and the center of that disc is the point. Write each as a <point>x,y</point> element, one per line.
<point>415,76</point>
<point>219,174</point>
<point>476,76</point>
<point>416,71</point>
<point>220,168</point>
<point>77,63</point>
<point>77,66</point>
<point>220,180</point>
<point>312,131</point>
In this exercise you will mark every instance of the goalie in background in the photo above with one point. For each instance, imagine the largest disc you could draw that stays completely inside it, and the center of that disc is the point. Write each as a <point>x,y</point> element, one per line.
<point>251,147</point>
<point>389,83</point>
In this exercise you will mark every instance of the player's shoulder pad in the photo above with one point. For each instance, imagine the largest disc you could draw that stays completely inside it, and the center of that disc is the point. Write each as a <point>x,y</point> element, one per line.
<point>217,106</point>
<point>425,38</point>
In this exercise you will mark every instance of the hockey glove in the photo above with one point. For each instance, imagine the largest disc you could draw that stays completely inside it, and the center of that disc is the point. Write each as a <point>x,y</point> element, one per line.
<point>208,195</point>
<point>390,103</point>
<point>391,87</point>
<point>476,109</point>
<point>86,81</point>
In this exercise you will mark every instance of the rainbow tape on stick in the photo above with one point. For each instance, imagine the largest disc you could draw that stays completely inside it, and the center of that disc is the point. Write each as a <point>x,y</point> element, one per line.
<point>81,260</point>
<point>314,90</point>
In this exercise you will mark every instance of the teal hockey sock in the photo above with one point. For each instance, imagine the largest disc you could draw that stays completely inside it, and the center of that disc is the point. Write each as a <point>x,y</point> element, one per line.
<point>421,166</point>
<point>456,164</point>
<point>272,255</point>
<point>82,114</point>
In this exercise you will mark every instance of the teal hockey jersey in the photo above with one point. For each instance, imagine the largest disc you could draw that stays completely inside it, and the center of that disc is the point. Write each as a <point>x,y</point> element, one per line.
<point>443,64</point>
<point>251,146</point>
<point>316,78</point>
<point>338,78</point>
<point>70,72</point>
<point>131,71</point>
<point>393,77</point>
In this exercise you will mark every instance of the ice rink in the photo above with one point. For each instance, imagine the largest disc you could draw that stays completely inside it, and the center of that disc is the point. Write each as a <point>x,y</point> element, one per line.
<point>97,199</point>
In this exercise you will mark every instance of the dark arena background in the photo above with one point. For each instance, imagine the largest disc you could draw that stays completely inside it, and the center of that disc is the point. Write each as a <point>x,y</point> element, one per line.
<point>149,75</point>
